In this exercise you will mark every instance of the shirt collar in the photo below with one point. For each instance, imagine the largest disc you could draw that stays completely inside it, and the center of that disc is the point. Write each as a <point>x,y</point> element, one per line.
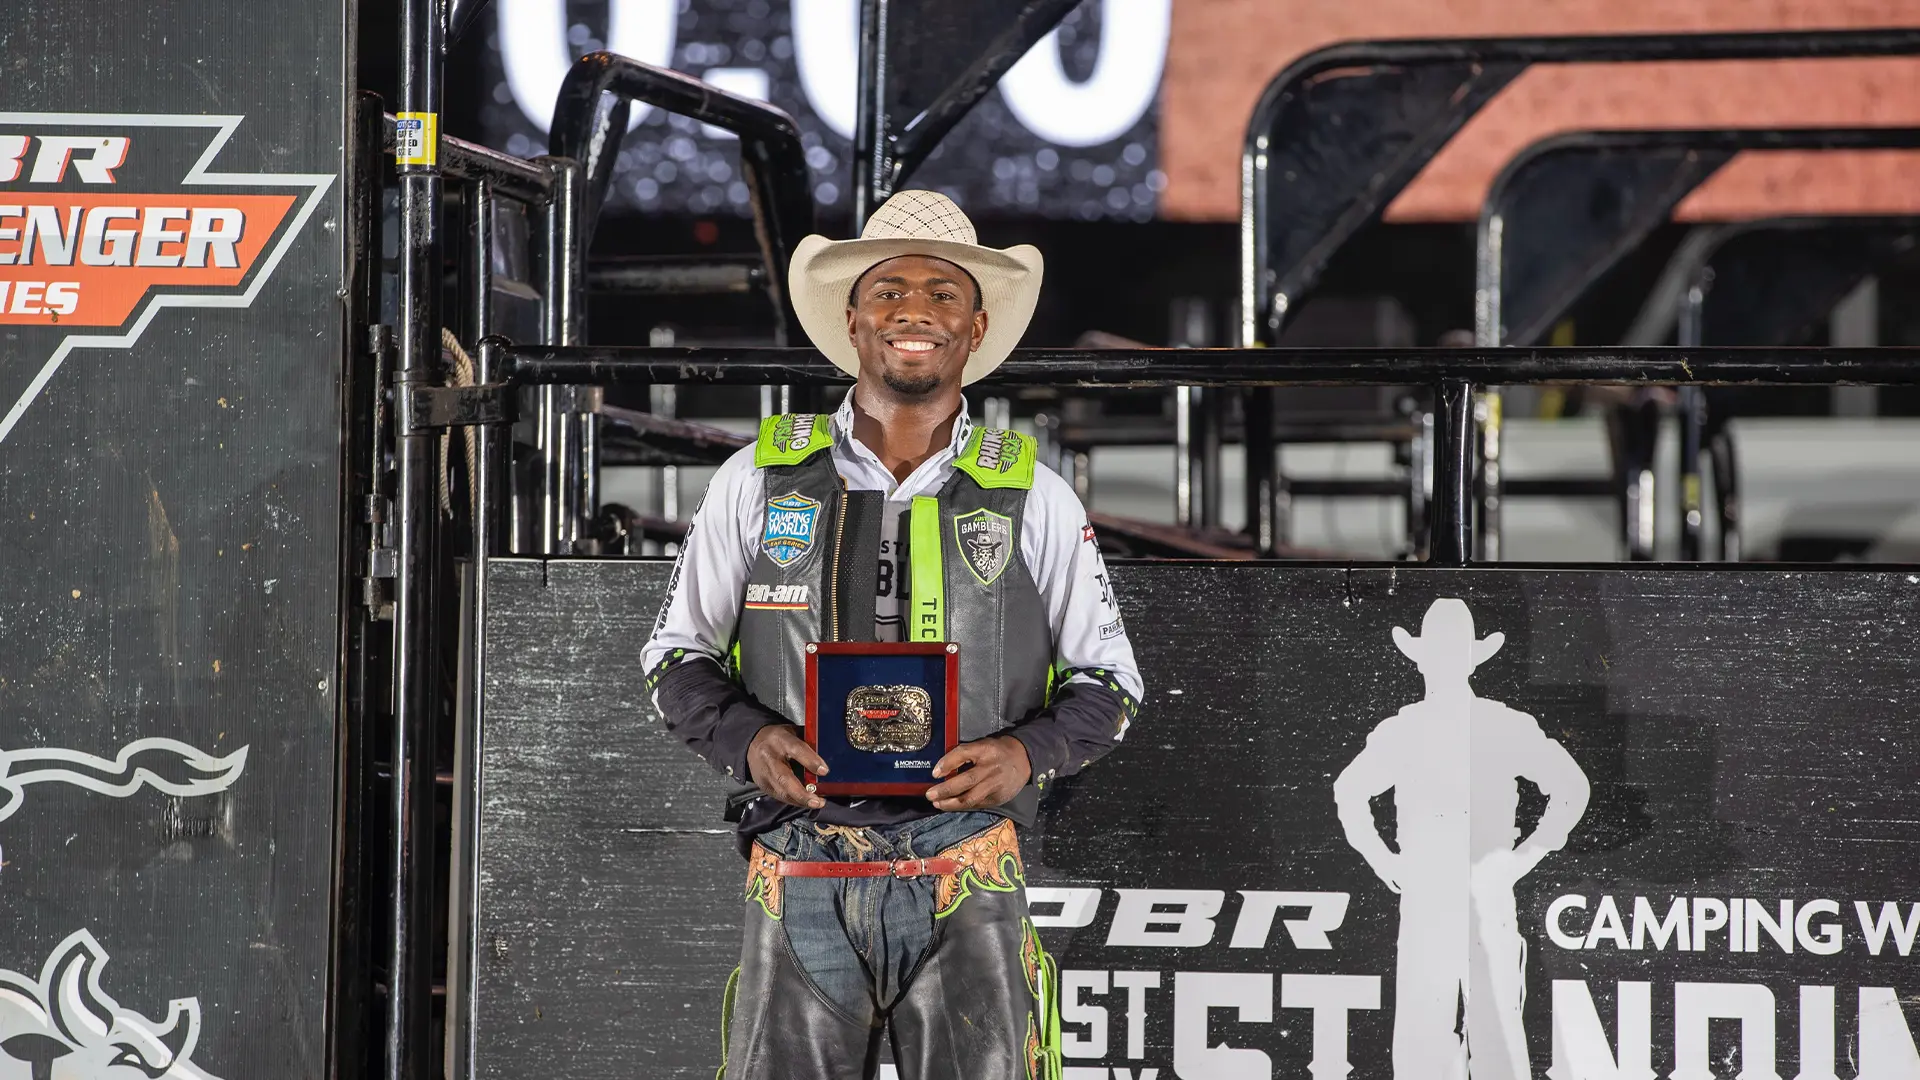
<point>962,424</point>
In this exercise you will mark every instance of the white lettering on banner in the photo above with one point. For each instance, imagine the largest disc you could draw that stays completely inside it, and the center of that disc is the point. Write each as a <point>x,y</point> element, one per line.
<point>13,149</point>
<point>1691,922</point>
<point>1885,1050</point>
<point>1606,925</point>
<point>1886,1042</point>
<point>1077,906</point>
<point>1196,994</point>
<point>1325,912</point>
<point>1136,922</point>
<point>535,53</point>
<point>1580,1044</point>
<point>1136,984</point>
<point>1709,914</point>
<point>1816,1034</point>
<point>1073,984</point>
<point>1780,930</point>
<point>1330,997</point>
<point>1828,941</point>
<point>1555,931</point>
<point>1672,928</point>
<point>1125,79</point>
<point>103,154</point>
<point>1875,930</point>
<point>1695,1005</point>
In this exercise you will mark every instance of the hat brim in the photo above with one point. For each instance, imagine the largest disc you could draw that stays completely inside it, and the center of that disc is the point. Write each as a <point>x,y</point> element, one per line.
<point>823,272</point>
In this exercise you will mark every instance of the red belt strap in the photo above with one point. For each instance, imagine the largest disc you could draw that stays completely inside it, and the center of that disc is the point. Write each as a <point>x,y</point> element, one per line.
<point>903,868</point>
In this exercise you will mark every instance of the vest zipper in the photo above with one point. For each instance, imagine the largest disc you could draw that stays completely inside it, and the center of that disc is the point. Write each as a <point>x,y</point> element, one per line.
<point>833,578</point>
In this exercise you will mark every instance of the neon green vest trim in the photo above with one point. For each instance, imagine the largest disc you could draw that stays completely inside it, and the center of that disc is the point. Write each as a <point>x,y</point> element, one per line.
<point>791,438</point>
<point>924,550</point>
<point>998,458</point>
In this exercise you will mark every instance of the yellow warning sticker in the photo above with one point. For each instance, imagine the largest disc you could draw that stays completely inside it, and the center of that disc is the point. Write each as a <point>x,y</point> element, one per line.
<point>416,138</point>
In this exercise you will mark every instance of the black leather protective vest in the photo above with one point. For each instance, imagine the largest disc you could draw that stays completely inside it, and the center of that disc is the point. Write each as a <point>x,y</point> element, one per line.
<point>813,578</point>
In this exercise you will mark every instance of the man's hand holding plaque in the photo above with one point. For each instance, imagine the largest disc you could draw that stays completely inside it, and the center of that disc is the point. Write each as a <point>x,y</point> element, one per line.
<point>770,761</point>
<point>991,771</point>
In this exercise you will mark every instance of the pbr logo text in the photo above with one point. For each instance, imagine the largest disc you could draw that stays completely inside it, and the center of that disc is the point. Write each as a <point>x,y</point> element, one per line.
<point>107,219</point>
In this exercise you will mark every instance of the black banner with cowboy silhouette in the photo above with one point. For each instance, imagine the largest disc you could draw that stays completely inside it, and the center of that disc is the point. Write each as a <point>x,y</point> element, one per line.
<point>1372,822</point>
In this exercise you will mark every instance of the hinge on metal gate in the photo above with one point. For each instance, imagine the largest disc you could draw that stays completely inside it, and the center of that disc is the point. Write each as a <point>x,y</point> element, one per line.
<point>433,407</point>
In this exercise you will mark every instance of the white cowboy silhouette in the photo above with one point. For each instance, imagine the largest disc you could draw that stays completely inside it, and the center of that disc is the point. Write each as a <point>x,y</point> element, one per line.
<point>1453,761</point>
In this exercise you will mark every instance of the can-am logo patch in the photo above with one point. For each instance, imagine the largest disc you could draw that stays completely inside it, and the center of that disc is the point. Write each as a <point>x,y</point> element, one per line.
<point>106,219</point>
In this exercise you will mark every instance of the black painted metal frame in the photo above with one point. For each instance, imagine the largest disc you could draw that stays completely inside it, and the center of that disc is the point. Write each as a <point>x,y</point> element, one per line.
<point>1564,212</point>
<point>884,157</point>
<point>590,121</point>
<point>1761,283</point>
<point>405,540</point>
<point>1339,134</point>
<point>1568,208</point>
<point>1453,374</point>
<point>1343,130</point>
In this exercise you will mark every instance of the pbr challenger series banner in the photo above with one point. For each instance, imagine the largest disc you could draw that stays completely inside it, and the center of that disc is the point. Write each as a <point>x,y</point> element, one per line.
<point>171,349</point>
<point>1373,823</point>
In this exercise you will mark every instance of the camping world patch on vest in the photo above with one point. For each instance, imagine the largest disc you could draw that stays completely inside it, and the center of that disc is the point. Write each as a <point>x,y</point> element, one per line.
<point>986,542</point>
<point>792,520</point>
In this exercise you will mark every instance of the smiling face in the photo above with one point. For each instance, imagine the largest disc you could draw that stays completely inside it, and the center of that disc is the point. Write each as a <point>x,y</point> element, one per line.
<point>914,320</point>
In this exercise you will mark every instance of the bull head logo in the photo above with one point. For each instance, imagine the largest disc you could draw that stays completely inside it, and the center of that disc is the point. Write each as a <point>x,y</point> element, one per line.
<point>66,1019</point>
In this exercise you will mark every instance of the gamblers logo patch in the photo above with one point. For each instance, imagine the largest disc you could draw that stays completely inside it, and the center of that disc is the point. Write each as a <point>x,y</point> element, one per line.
<point>106,219</point>
<point>986,540</point>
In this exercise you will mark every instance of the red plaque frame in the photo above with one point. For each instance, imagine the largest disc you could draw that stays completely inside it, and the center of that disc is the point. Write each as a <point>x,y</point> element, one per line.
<point>879,648</point>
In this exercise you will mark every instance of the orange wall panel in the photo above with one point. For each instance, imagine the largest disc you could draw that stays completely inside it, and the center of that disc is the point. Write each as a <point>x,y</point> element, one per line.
<point>1224,52</point>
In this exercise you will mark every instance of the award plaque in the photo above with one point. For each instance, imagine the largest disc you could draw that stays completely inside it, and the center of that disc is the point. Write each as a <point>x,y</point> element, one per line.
<point>881,713</point>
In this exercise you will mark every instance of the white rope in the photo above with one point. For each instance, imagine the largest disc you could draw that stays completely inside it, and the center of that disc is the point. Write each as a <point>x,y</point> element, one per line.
<point>460,374</point>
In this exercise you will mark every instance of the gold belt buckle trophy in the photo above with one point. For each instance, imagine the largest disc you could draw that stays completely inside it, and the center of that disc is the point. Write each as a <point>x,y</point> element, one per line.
<point>881,714</point>
<point>889,719</point>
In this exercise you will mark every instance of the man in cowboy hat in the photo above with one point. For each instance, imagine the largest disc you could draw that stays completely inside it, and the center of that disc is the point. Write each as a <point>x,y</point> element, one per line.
<point>1454,761</point>
<point>902,913</point>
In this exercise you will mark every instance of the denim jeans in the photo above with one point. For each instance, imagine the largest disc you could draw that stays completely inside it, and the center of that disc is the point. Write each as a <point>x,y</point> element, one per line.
<point>859,939</point>
<point>946,965</point>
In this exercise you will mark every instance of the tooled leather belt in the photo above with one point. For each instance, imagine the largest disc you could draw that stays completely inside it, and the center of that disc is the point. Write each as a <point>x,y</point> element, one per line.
<point>902,868</point>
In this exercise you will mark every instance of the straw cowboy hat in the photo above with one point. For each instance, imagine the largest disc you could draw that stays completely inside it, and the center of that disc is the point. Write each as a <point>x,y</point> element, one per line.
<point>823,271</point>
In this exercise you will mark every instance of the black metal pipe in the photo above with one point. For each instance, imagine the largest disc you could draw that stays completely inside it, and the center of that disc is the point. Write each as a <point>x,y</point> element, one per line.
<point>1451,542</point>
<point>410,956</point>
<point>707,276</point>
<point>1609,48</point>
<point>872,144</point>
<point>920,135</point>
<point>605,365</point>
<point>1262,473</point>
<point>563,318</point>
<point>356,893</point>
<point>512,177</point>
<point>463,943</point>
<point>588,127</point>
